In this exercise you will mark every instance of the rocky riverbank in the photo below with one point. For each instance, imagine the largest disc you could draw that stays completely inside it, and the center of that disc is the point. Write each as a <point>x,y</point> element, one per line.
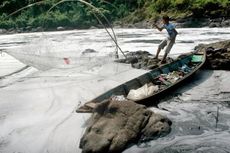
<point>218,55</point>
<point>189,22</point>
<point>32,29</point>
<point>180,23</point>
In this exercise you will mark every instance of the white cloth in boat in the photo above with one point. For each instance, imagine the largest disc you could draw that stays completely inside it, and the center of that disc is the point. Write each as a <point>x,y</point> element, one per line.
<point>143,92</point>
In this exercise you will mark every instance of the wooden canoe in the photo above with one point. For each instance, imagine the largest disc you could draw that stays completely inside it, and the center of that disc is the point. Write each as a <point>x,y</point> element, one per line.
<point>197,60</point>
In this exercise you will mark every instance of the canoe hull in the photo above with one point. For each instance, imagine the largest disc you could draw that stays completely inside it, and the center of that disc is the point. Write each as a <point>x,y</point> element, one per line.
<point>148,77</point>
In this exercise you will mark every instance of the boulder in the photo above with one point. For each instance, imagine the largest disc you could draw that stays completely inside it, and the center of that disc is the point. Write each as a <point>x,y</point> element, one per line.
<point>38,29</point>
<point>218,55</point>
<point>3,31</point>
<point>28,28</point>
<point>114,125</point>
<point>214,24</point>
<point>142,60</point>
<point>226,23</point>
<point>93,27</point>
<point>60,28</point>
<point>87,51</point>
<point>143,25</point>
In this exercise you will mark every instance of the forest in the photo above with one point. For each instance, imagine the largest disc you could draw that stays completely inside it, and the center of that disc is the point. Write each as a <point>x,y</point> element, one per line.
<point>72,13</point>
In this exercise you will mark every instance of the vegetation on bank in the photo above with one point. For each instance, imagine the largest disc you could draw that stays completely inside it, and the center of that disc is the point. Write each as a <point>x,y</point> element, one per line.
<point>78,15</point>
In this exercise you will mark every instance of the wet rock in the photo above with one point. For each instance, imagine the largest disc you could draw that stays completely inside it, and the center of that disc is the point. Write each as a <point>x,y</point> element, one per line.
<point>11,31</point>
<point>218,55</point>
<point>87,51</point>
<point>117,124</point>
<point>93,27</point>
<point>225,23</point>
<point>202,22</point>
<point>38,29</point>
<point>28,28</point>
<point>3,31</point>
<point>214,24</point>
<point>20,30</point>
<point>142,60</point>
<point>137,65</point>
<point>192,22</point>
<point>130,26</point>
<point>143,24</point>
<point>60,28</point>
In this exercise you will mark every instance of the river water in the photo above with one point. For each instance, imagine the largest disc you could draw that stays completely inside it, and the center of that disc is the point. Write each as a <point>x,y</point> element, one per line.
<point>45,76</point>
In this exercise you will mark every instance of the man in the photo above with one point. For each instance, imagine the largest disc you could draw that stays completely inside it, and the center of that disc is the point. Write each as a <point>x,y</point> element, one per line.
<point>169,41</point>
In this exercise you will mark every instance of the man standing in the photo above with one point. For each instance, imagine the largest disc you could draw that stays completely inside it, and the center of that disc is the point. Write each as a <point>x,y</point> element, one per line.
<point>169,41</point>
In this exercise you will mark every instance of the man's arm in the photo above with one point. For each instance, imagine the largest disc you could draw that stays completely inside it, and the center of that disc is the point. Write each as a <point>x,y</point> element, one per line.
<point>174,30</point>
<point>159,28</point>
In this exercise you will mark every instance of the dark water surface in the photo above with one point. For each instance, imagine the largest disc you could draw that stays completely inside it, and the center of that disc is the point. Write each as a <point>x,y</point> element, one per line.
<point>200,114</point>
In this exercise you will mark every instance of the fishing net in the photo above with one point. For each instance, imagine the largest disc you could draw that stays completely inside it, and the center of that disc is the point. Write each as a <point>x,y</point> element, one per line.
<point>77,48</point>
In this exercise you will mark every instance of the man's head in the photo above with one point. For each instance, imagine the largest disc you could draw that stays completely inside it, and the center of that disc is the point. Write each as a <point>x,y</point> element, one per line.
<point>165,19</point>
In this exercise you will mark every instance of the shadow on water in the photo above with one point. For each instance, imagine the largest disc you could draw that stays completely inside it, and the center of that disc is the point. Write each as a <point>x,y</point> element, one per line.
<point>199,77</point>
<point>197,127</point>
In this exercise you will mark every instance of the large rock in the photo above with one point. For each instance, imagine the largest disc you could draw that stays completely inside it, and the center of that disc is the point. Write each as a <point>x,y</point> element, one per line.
<point>3,31</point>
<point>142,60</point>
<point>117,124</point>
<point>61,28</point>
<point>88,51</point>
<point>226,23</point>
<point>218,55</point>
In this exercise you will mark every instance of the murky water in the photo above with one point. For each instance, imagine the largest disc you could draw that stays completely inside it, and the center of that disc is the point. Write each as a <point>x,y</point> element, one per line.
<point>37,103</point>
<point>200,113</point>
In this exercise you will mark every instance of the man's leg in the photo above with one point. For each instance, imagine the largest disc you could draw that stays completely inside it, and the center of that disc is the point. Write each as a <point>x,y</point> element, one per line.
<point>161,46</point>
<point>169,46</point>
<point>158,52</point>
<point>164,58</point>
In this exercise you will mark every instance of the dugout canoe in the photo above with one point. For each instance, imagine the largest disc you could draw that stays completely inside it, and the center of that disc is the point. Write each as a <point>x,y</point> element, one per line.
<point>196,60</point>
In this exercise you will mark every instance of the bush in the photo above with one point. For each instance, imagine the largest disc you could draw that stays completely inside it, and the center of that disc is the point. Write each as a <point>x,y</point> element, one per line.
<point>182,4</point>
<point>162,5</point>
<point>78,15</point>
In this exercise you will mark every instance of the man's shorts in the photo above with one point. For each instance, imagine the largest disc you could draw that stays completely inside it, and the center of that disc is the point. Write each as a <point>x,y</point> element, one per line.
<point>168,43</point>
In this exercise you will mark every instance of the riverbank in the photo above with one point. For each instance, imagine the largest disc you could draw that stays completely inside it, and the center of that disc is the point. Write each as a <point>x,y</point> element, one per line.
<point>188,22</point>
<point>218,57</point>
<point>30,17</point>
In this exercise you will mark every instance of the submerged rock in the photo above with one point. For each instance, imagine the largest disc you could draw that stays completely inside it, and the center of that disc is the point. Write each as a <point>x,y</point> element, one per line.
<point>218,55</point>
<point>117,124</point>
<point>88,51</point>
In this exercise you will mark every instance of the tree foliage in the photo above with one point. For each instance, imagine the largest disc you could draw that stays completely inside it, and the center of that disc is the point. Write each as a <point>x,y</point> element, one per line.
<point>75,14</point>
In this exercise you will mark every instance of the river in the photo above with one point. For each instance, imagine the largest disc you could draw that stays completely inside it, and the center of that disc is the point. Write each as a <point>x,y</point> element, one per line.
<point>45,76</point>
